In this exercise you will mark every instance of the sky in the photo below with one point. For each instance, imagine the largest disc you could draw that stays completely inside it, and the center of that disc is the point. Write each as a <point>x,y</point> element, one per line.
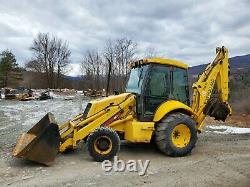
<point>188,30</point>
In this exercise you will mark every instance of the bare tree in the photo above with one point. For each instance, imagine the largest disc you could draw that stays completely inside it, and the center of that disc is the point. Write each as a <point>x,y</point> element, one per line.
<point>117,55</point>
<point>110,69</point>
<point>125,50</point>
<point>62,59</point>
<point>109,55</point>
<point>92,66</point>
<point>50,56</point>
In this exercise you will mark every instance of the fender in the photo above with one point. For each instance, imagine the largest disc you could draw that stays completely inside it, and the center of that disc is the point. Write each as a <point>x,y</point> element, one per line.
<point>170,106</point>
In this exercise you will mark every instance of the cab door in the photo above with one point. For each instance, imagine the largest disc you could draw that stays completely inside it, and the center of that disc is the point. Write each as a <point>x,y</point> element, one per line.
<point>180,90</point>
<point>156,89</point>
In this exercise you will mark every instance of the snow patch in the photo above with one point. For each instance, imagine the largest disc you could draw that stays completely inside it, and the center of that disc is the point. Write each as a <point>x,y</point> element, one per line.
<point>2,96</point>
<point>227,130</point>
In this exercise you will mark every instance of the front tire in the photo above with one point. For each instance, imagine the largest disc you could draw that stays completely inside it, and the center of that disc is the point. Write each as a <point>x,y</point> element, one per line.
<point>176,134</point>
<point>103,144</point>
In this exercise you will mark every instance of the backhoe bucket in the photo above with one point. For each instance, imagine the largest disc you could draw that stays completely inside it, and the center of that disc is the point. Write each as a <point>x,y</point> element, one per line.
<point>41,143</point>
<point>215,108</point>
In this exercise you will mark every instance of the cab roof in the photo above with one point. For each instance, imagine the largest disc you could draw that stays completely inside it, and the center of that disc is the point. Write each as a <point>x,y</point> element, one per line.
<point>164,61</point>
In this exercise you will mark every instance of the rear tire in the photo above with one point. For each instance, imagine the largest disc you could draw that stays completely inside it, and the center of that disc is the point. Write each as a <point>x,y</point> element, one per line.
<point>103,144</point>
<point>176,134</point>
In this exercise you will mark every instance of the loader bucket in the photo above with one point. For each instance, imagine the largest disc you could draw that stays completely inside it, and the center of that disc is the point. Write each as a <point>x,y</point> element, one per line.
<point>41,143</point>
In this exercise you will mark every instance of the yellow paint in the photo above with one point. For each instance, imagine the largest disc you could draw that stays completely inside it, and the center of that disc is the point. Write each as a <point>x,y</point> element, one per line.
<point>98,149</point>
<point>163,61</point>
<point>100,104</point>
<point>181,136</point>
<point>120,125</point>
<point>67,144</point>
<point>166,61</point>
<point>215,73</point>
<point>170,106</point>
<point>139,131</point>
<point>81,129</point>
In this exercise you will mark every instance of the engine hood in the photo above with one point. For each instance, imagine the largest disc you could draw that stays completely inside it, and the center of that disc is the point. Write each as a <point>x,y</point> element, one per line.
<point>99,104</point>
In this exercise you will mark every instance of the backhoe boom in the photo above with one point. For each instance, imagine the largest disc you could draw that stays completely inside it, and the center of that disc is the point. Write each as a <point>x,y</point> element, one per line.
<point>214,76</point>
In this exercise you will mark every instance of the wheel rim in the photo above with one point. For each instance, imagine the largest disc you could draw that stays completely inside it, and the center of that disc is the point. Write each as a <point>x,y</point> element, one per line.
<point>103,145</point>
<point>181,136</point>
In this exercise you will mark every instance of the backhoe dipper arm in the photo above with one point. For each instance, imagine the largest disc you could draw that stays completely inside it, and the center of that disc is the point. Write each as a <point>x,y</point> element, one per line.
<point>215,73</point>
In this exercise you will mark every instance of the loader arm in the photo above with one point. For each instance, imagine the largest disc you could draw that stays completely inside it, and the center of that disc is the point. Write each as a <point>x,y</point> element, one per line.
<point>214,76</point>
<point>79,128</point>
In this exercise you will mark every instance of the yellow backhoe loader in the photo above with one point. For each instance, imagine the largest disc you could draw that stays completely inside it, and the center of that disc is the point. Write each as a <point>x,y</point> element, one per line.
<point>155,107</point>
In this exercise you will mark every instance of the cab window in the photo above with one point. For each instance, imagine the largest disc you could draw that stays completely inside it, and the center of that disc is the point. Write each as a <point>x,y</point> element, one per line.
<point>180,85</point>
<point>157,88</point>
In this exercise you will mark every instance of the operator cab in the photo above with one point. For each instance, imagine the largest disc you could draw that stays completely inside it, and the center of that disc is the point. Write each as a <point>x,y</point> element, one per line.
<point>155,81</point>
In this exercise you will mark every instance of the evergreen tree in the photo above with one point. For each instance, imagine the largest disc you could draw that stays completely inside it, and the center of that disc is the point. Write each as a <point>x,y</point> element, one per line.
<point>10,74</point>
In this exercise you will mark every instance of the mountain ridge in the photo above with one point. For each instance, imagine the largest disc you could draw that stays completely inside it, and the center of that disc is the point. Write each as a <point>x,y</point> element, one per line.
<point>236,63</point>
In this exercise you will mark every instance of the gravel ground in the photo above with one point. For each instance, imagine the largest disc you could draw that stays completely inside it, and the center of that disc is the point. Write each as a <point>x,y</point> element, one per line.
<point>217,159</point>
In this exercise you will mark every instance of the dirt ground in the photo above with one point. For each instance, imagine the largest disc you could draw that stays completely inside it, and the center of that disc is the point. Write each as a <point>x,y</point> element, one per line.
<point>236,120</point>
<point>217,159</point>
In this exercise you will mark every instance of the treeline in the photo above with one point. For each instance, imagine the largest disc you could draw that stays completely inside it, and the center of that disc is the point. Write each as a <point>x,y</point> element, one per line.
<point>109,65</point>
<point>239,95</point>
<point>51,57</point>
<point>50,61</point>
<point>10,73</point>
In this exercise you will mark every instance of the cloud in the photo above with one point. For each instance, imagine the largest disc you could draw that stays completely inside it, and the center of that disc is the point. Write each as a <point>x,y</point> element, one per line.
<point>184,30</point>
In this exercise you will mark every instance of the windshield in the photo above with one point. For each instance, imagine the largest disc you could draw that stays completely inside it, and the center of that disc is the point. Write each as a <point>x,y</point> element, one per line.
<point>136,79</point>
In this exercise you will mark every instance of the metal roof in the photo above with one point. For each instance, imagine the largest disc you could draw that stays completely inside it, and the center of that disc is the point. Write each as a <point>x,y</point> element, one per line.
<point>164,61</point>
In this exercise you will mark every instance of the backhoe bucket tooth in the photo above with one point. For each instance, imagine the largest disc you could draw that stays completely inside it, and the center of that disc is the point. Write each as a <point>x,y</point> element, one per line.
<point>41,143</point>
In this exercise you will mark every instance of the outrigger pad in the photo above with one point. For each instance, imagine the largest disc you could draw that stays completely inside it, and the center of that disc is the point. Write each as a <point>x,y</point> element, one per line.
<point>41,143</point>
<point>215,108</point>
